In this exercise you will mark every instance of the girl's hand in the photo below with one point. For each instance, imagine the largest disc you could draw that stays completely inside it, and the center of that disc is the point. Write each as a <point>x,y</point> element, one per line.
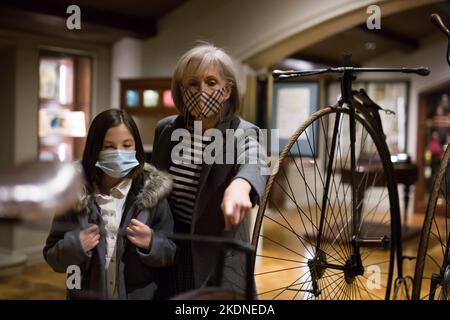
<point>89,237</point>
<point>139,234</point>
<point>236,202</point>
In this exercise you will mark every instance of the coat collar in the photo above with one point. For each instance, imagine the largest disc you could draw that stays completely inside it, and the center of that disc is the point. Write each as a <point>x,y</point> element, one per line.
<point>148,189</point>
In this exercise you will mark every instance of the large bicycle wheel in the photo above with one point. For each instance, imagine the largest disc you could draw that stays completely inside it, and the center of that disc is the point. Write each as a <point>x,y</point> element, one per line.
<point>307,239</point>
<point>432,273</point>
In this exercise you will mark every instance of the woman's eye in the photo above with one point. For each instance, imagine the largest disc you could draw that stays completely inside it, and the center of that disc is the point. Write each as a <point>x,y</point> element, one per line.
<point>211,81</point>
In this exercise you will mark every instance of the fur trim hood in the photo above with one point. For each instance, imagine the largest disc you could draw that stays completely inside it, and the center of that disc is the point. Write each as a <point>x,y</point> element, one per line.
<point>155,186</point>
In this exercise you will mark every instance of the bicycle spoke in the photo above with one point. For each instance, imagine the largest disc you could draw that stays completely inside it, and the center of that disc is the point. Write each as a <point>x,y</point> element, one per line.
<point>278,258</point>
<point>300,238</point>
<point>279,270</point>
<point>312,198</point>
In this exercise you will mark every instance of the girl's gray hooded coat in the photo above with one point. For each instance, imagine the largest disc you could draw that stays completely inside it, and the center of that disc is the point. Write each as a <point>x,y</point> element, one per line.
<point>137,271</point>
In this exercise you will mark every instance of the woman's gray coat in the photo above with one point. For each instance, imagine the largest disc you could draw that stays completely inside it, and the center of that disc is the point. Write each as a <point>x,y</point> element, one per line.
<point>207,216</point>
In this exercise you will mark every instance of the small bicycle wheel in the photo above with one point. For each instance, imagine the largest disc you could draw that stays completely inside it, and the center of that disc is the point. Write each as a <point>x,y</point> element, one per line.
<point>432,273</point>
<point>308,243</point>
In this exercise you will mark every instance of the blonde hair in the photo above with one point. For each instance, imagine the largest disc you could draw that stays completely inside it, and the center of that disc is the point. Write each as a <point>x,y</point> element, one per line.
<point>208,55</point>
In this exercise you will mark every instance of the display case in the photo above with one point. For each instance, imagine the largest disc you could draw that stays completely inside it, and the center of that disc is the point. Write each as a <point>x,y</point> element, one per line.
<point>147,96</point>
<point>433,137</point>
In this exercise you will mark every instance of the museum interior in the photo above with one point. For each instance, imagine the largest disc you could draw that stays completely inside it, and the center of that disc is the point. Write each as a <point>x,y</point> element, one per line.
<point>353,96</point>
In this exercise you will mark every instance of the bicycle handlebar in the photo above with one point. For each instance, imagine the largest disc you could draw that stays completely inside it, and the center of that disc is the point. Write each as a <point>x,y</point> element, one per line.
<point>229,243</point>
<point>225,242</point>
<point>280,74</point>
<point>436,19</point>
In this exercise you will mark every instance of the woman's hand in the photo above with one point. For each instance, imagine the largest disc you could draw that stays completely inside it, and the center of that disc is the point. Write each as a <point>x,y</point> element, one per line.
<point>89,237</point>
<point>236,202</point>
<point>139,234</point>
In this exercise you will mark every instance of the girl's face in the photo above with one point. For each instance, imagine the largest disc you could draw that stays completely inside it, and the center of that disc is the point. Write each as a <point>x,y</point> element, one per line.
<point>118,138</point>
<point>207,80</point>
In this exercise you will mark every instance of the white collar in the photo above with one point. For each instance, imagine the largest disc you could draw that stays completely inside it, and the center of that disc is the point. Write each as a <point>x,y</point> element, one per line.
<point>119,191</point>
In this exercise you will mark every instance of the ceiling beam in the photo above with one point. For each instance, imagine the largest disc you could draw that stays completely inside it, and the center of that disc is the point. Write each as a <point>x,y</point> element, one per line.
<point>272,49</point>
<point>130,25</point>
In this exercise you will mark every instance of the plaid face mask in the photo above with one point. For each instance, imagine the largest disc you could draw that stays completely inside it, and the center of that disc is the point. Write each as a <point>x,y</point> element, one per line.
<point>201,103</point>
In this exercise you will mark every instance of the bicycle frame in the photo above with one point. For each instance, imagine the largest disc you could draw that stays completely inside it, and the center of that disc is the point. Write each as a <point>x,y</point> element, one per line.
<point>354,264</point>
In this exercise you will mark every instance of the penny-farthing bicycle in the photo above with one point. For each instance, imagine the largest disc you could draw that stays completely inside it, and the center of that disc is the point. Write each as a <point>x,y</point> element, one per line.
<point>337,233</point>
<point>432,273</point>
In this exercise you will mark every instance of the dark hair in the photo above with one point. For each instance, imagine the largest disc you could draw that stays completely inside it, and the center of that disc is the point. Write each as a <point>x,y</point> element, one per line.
<point>94,143</point>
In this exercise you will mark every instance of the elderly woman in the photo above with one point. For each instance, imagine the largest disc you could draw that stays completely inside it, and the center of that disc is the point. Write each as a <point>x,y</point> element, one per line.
<point>209,198</point>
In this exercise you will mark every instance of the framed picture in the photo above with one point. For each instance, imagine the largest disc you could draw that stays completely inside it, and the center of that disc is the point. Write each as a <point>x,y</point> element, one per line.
<point>56,79</point>
<point>292,104</point>
<point>61,122</point>
<point>49,79</point>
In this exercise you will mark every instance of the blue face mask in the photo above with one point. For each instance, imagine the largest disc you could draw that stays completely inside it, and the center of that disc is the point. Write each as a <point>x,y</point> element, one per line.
<point>117,163</point>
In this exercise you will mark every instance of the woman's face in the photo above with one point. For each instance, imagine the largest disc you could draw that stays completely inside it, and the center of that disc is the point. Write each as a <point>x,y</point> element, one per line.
<point>118,138</point>
<point>207,80</point>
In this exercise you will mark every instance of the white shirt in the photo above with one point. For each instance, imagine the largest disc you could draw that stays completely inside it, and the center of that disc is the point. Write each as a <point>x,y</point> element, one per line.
<point>111,210</point>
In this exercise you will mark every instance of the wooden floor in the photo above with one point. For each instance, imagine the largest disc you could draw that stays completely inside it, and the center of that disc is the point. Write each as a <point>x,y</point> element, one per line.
<point>295,276</point>
<point>37,283</point>
<point>40,282</point>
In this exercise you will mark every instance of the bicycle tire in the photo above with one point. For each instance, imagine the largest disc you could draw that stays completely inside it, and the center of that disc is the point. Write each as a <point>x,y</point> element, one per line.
<point>431,228</point>
<point>394,216</point>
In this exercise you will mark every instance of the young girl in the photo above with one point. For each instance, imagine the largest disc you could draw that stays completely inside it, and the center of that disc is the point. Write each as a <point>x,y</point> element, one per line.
<point>113,236</point>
